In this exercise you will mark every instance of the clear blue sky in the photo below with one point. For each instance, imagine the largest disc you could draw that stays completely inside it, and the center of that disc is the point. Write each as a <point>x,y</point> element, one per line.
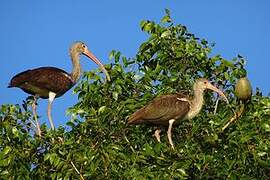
<point>39,33</point>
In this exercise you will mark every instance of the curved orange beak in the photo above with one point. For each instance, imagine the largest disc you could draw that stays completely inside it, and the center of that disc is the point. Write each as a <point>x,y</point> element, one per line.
<point>214,88</point>
<point>93,58</point>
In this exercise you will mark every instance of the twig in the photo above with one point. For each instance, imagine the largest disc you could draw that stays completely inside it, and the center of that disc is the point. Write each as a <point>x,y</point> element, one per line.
<point>35,116</point>
<point>33,123</point>
<point>235,117</point>
<point>125,137</point>
<point>216,106</point>
<point>76,170</point>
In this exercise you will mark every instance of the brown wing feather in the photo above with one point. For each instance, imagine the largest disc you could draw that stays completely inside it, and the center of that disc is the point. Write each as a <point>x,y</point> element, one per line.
<point>161,110</point>
<point>42,80</point>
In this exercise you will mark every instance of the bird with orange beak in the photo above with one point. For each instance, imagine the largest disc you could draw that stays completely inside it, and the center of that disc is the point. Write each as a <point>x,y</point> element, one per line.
<point>171,109</point>
<point>51,82</point>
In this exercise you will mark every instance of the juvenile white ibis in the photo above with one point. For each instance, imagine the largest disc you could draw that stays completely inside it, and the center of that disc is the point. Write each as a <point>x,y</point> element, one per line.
<point>51,82</point>
<point>170,109</point>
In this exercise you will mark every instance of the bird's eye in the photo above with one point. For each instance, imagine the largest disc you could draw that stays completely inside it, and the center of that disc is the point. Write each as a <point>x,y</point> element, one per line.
<point>205,82</point>
<point>83,46</point>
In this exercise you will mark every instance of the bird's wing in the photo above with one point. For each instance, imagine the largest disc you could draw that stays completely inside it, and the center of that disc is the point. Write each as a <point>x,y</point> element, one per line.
<point>43,79</point>
<point>161,110</point>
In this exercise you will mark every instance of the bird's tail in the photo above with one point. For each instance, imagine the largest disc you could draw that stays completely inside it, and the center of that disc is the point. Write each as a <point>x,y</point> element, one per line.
<point>135,118</point>
<point>9,85</point>
<point>131,121</point>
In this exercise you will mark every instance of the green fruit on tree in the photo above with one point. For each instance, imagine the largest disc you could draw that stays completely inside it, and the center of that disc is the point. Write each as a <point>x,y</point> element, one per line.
<point>243,89</point>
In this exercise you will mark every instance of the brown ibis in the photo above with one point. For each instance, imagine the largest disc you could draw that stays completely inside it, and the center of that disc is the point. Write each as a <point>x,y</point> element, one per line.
<point>51,82</point>
<point>170,109</point>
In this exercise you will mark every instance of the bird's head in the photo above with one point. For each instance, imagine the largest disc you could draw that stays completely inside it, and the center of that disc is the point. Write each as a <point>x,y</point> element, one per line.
<point>203,84</point>
<point>79,48</point>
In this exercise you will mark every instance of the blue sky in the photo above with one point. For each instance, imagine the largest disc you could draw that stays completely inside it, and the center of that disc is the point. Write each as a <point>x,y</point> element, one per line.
<point>39,33</point>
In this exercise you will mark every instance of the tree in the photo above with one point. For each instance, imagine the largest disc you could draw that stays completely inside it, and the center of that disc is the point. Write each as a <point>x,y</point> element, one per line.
<point>99,143</point>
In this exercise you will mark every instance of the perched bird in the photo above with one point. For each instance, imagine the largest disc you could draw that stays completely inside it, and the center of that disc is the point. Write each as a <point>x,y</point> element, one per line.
<point>170,109</point>
<point>51,82</point>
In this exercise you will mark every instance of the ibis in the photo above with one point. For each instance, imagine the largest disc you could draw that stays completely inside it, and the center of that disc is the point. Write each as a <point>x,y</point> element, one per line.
<point>51,82</point>
<point>171,109</point>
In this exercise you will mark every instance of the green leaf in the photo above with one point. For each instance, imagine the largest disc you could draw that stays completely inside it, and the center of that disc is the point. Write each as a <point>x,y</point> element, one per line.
<point>101,109</point>
<point>15,132</point>
<point>165,34</point>
<point>115,95</point>
<point>5,162</point>
<point>6,150</point>
<point>47,156</point>
<point>112,54</point>
<point>266,127</point>
<point>166,19</point>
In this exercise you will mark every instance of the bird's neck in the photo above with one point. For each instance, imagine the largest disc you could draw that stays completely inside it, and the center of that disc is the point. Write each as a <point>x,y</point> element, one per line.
<point>76,71</point>
<point>196,103</point>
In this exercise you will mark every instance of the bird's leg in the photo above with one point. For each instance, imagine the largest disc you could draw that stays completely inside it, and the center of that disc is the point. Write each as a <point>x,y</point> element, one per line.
<point>169,132</point>
<point>51,98</point>
<point>34,109</point>
<point>157,135</point>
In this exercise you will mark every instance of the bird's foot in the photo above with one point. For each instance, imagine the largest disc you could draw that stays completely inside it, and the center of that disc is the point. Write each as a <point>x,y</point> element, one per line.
<point>157,135</point>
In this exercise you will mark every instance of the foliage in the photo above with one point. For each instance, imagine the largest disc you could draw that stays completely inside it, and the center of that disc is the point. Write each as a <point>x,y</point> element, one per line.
<point>100,145</point>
